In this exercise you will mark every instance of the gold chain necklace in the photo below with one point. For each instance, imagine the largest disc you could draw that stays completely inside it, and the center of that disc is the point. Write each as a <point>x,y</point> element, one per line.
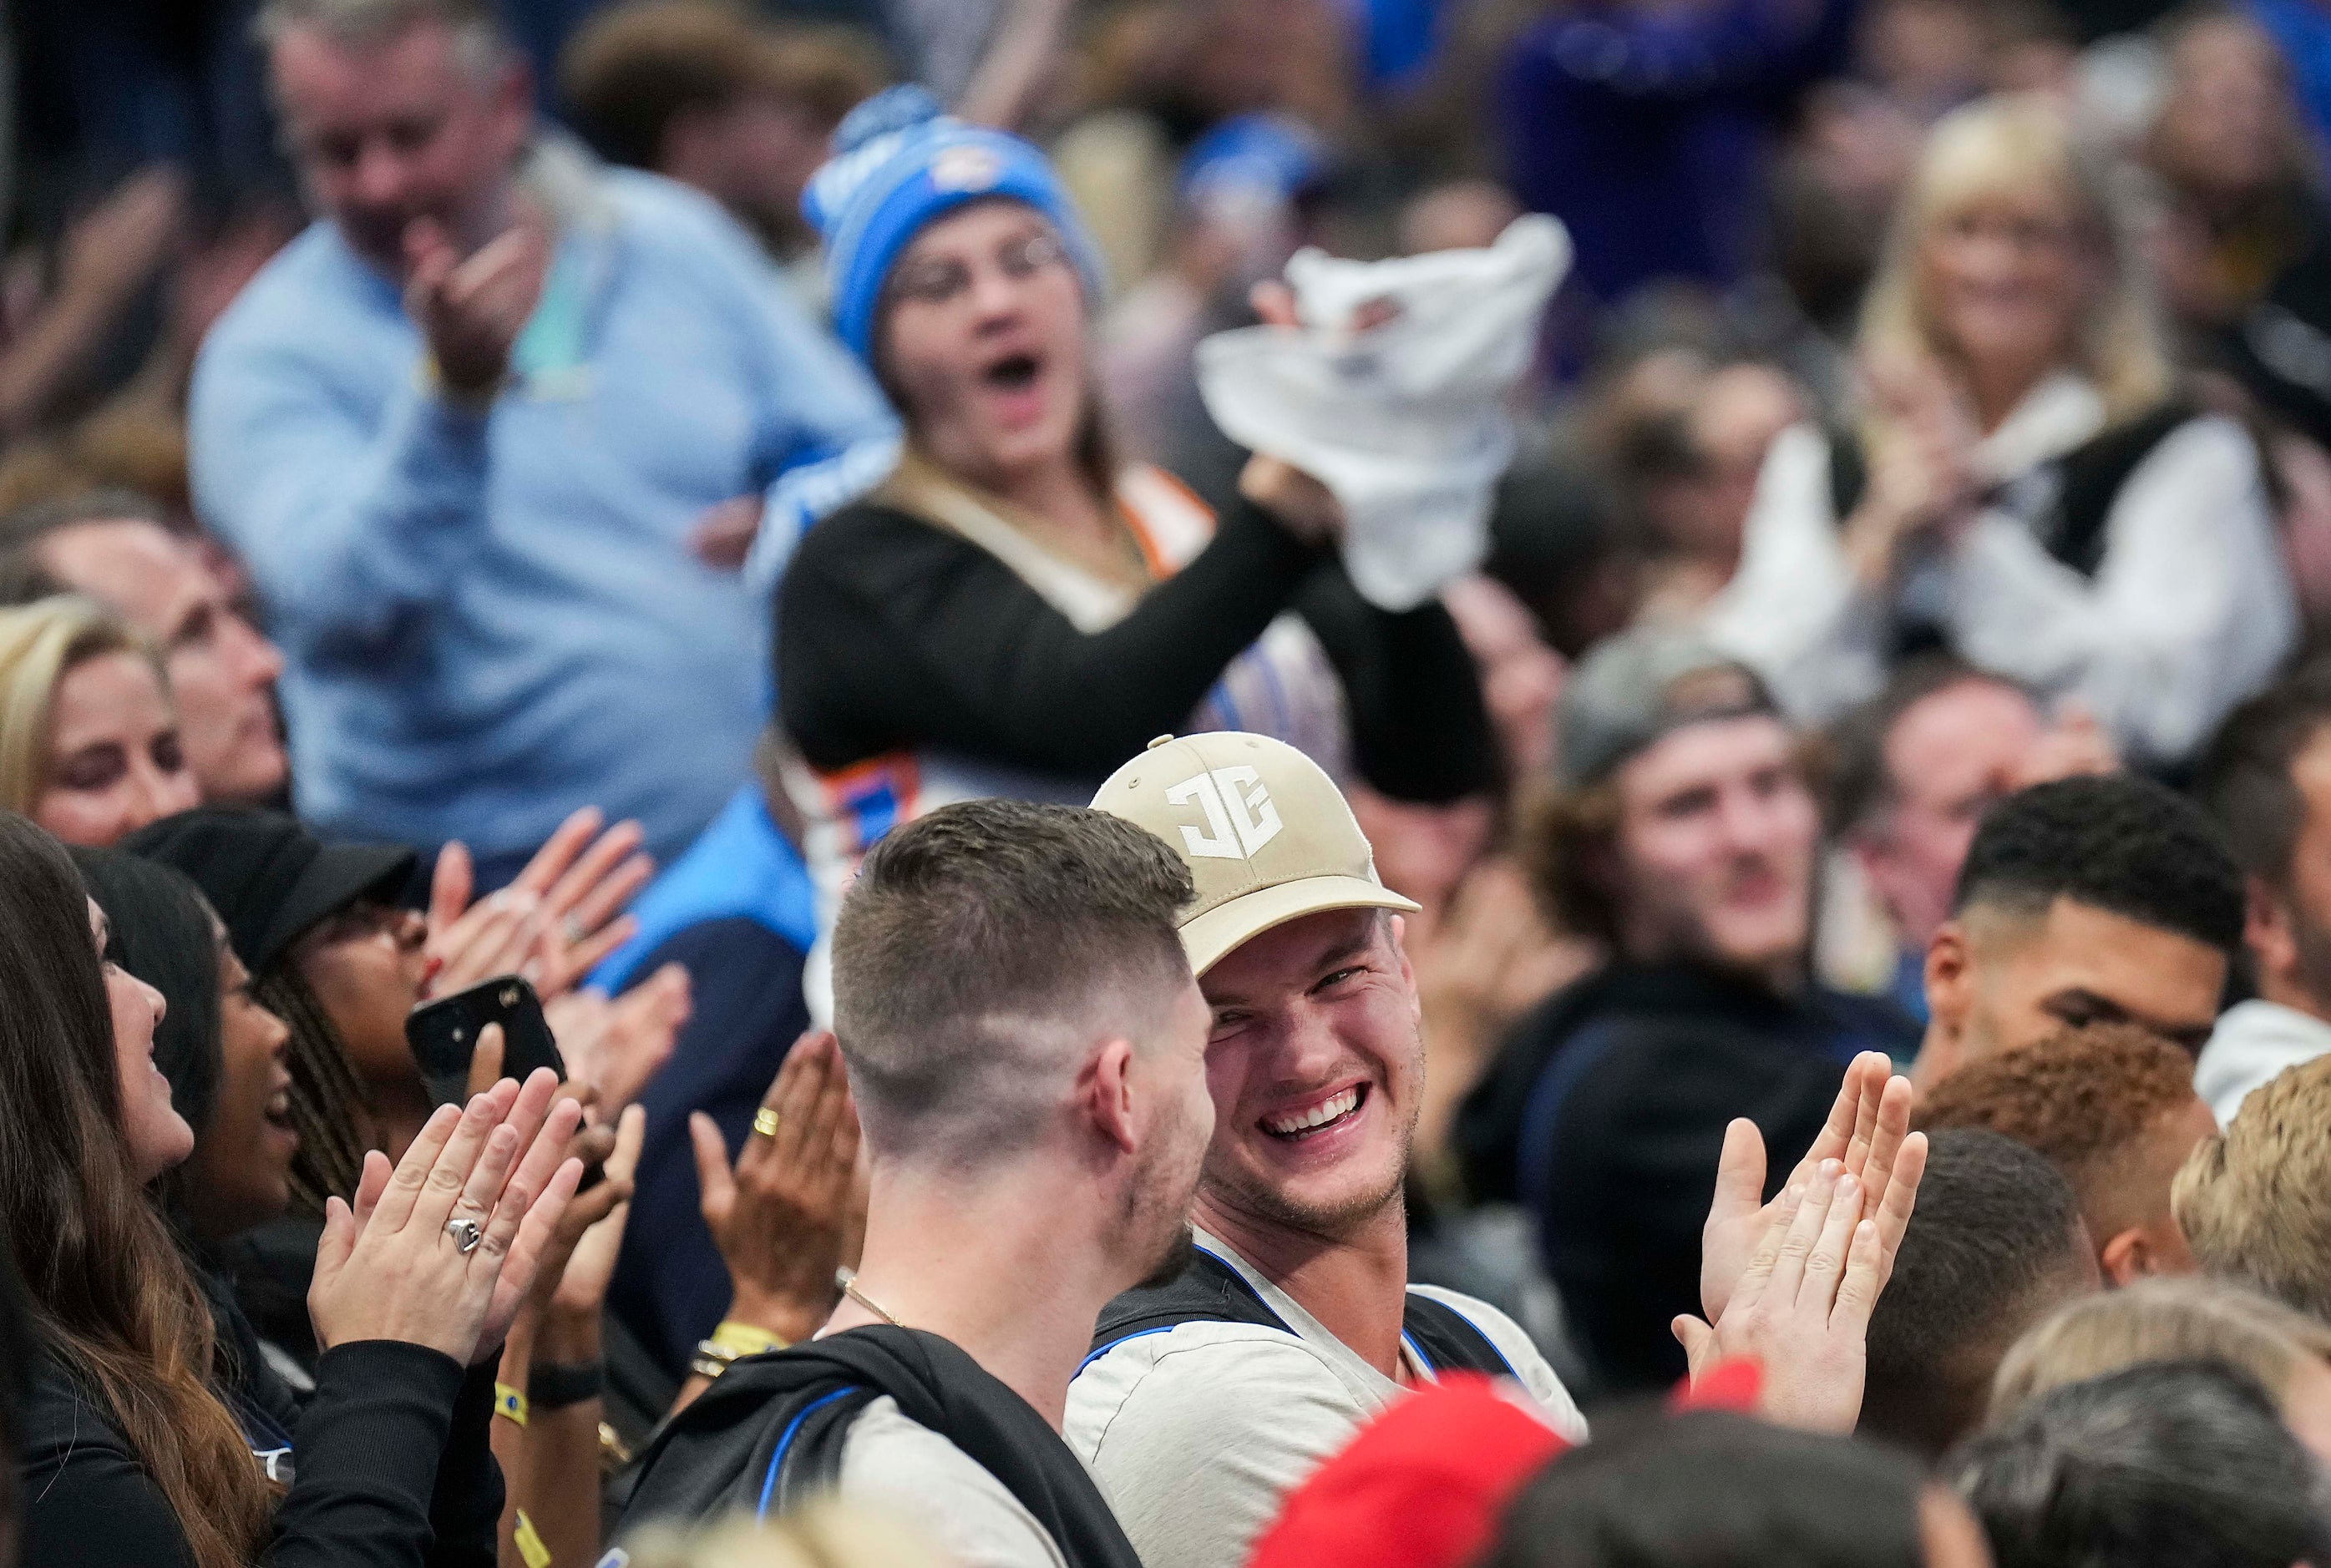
<point>848,1281</point>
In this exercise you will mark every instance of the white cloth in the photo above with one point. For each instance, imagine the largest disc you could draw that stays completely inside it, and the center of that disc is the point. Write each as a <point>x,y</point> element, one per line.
<point>2189,611</point>
<point>1197,1432</point>
<point>1405,422</point>
<point>2252,1045</point>
<point>897,1465</point>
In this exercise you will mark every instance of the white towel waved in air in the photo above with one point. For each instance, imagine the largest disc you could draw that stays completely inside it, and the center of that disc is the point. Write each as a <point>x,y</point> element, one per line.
<point>1393,393</point>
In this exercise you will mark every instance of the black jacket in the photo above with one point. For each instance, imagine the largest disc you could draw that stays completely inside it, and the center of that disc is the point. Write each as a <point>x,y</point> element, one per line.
<point>769,1435</point>
<point>894,634</point>
<point>1605,1115</point>
<point>390,1459</point>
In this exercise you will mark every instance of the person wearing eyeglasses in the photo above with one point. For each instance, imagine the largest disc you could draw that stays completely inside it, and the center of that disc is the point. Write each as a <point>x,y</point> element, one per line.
<point>1014,611</point>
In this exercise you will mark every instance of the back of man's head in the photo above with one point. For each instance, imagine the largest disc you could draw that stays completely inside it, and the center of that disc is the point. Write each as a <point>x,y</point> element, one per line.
<point>1995,1243</point>
<point>2114,843</point>
<point>2111,1107</point>
<point>2255,1200</point>
<point>1656,1490</point>
<point>982,951</point>
<point>2166,1465</point>
<point>2246,781</point>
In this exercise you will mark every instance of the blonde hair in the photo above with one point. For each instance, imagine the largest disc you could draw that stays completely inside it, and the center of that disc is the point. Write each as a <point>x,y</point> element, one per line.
<point>2017,145</point>
<point>2183,1319</point>
<point>2255,1200</point>
<point>827,1535</point>
<point>40,644</point>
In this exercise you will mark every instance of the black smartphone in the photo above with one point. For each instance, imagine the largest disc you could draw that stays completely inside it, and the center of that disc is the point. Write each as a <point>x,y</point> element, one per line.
<point>443,1035</point>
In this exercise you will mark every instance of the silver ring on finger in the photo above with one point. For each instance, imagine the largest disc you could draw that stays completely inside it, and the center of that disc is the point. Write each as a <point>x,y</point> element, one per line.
<point>572,930</point>
<point>466,1234</point>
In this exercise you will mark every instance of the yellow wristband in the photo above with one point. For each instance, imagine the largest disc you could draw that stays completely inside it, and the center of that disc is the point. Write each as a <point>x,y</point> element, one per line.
<point>510,1403</point>
<point>529,1544</point>
<point>744,1339</point>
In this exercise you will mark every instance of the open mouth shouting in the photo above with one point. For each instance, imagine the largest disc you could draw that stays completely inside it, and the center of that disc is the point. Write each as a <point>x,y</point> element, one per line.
<point>1323,1115</point>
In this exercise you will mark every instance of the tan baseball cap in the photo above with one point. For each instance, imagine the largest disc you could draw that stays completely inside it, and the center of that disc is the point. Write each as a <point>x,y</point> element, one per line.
<point>1266,833</point>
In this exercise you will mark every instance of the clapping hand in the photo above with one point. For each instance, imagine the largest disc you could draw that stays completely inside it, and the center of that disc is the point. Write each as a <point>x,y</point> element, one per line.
<point>1866,1131</point>
<point>782,1214</point>
<point>472,309</point>
<point>392,1266</point>
<point>616,1046</point>
<point>1801,1307</point>
<point>553,923</point>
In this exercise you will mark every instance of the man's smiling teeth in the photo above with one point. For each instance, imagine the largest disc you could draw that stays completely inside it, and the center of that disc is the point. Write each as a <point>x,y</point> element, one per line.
<point>1318,1115</point>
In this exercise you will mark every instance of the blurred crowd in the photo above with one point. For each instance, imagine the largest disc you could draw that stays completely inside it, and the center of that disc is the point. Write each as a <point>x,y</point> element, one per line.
<point>1056,782</point>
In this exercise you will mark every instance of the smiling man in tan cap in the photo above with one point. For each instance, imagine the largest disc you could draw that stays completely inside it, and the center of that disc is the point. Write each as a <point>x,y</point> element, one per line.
<point>1206,1398</point>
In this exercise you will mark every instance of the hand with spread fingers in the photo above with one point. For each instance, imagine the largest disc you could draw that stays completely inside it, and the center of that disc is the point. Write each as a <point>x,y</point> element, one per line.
<point>1801,1307</point>
<point>442,1250</point>
<point>1865,1132</point>
<point>553,923</point>
<point>780,1217</point>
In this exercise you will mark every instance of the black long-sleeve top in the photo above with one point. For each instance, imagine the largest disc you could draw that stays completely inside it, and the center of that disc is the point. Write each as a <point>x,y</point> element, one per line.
<point>393,1470</point>
<point>893,634</point>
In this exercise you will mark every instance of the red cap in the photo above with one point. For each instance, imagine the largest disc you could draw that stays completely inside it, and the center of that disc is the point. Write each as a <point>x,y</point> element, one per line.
<point>1423,1485</point>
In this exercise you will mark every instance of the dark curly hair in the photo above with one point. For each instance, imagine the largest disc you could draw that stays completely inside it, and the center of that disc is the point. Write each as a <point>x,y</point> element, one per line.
<point>2121,844</point>
<point>2086,1098</point>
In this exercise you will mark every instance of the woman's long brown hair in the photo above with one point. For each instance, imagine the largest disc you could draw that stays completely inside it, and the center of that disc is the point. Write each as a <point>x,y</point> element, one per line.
<point>111,1293</point>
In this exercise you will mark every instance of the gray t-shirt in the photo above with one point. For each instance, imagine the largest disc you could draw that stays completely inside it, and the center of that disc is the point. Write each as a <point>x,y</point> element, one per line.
<point>901,1467</point>
<point>1197,1432</point>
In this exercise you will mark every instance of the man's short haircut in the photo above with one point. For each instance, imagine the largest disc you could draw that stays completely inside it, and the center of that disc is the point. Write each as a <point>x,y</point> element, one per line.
<point>630,69</point>
<point>1860,787</point>
<point>2168,1465</point>
<point>2086,1099</point>
<point>1992,1243</point>
<point>1657,1490</point>
<point>981,948</point>
<point>478,32</point>
<point>2254,1200</point>
<point>2246,780</point>
<point>2122,844</point>
<point>23,577</point>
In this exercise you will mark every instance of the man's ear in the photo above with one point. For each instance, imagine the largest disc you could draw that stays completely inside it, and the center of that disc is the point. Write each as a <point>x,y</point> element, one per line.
<point>1108,1095</point>
<point>2266,929</point>
<point>1950,997</point>
<point>2125,1258</point>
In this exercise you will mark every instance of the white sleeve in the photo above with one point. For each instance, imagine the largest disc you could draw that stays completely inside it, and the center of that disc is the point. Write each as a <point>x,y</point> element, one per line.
<point>1793,612</point>
<point>1521,1353</point>
<point>2190,610</point>
<point>1198,1434</point>
<point>912,1473</point>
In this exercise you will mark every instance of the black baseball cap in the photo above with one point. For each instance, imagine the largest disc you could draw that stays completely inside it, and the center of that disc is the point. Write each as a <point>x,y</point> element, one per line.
<point>269,878</point>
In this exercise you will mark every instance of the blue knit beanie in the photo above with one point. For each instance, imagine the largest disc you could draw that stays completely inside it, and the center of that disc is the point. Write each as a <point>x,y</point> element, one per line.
<point>897,164</point>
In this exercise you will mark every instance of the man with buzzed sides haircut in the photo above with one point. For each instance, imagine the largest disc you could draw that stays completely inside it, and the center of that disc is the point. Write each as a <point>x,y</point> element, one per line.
<point>1027,1049</point>
<point>1996,1243</point>
<point>1207,1397</point>
<point>2113,1108</point>
<point>2087,900</point>
<point>113,546</point>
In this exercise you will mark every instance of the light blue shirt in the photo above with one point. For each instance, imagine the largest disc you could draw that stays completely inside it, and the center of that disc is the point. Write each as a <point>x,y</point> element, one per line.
<point>491,620</point>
